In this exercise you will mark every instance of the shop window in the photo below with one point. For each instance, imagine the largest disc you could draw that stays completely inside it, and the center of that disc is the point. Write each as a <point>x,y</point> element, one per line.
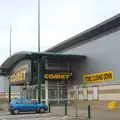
<point>95,92</point>
<point>63,94</point>
<point>54,64</point>
<point>52,94</point>
<point>34,94</point>
<point>43,93</point>
<point>85,93</point>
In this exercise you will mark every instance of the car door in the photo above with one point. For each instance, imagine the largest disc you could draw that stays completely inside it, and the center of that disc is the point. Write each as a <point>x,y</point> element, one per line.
<point>30,105</point>
<point>20,105</point>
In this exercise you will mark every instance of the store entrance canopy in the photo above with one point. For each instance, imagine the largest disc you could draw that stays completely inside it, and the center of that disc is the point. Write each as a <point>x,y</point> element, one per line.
<point>15,58</point>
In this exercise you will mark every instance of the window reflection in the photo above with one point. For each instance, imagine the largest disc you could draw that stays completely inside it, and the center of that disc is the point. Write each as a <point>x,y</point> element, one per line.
<point>43,93</point>
<point>52,94</point>
<point>63,94</point>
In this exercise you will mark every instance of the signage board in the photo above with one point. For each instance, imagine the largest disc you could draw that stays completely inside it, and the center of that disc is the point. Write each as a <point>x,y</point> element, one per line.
<point>20,73</point>
<point>98,77</point>
<point>57,75</point>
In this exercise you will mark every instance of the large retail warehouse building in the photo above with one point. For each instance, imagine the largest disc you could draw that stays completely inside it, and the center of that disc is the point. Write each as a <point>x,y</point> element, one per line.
<point>96,72</point>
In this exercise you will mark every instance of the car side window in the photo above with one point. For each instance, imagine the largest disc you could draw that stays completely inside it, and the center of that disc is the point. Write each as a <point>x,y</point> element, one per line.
<point>30,102</point>
<point>19,102</point>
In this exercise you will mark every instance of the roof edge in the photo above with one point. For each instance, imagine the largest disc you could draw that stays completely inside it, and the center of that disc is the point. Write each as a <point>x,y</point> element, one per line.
<point>14,54</point>
<point>53,48</point>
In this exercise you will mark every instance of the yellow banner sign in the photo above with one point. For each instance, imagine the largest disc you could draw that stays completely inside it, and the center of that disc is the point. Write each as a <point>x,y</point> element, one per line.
<point>19,75</point>
<point>58,76</point>
<point>98,77</point>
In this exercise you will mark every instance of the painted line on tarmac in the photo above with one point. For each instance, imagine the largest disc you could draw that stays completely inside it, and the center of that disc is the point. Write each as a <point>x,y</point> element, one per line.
<point>10,116</point>
<point>64,117</point>
<point>50,118</point>
<point>33,119</point>
<point>46,118</point>
<point>1,118</point>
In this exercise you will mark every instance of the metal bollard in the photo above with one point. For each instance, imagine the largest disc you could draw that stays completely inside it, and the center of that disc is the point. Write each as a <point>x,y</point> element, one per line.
<point>89,112</point>
<point>49,108</point>
<point>65,108</point>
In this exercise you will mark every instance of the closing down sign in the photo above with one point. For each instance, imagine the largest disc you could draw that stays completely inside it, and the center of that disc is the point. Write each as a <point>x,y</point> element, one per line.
<point>98,77</point>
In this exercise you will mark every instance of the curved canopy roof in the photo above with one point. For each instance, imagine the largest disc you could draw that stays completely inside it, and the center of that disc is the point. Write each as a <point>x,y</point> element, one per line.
<point>13,59</point>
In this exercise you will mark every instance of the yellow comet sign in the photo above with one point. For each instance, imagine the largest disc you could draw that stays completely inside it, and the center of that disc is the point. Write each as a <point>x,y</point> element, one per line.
<point>19,75</point>
<point>60,76</point>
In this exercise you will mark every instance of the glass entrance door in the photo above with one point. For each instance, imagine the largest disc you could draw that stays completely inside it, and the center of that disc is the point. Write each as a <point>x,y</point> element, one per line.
<point>52,96</point>
<point>63,92</point>
<point>51,92</point>
<point>63,95</point>
<point>57,92</point>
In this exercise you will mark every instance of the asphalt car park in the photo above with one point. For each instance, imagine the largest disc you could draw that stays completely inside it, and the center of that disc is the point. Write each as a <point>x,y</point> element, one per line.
<point>45,116</point>
<point>58,113</point>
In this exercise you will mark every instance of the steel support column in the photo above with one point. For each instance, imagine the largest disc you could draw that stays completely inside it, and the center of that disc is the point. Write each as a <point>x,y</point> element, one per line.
<point>9,94</point>
<point>39,80</point>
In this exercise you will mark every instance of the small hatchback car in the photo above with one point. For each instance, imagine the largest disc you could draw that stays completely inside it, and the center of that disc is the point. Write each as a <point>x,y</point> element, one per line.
<point>26,105</point>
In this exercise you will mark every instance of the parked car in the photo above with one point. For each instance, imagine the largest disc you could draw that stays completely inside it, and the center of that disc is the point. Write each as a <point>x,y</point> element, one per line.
<point>26,105</point>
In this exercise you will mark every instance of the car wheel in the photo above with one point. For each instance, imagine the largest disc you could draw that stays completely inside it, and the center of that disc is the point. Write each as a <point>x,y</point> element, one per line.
<point>42,110</point>
<point>16,111</point>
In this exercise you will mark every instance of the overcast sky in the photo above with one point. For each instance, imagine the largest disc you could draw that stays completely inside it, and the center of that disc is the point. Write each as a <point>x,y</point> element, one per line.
<point>59,20</point>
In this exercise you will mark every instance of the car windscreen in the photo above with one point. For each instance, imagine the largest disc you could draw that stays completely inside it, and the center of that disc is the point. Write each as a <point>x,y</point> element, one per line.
<point>12,101</point>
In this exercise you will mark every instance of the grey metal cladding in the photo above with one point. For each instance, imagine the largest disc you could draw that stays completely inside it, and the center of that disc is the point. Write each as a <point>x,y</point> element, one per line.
<point>103,54</point>
<point>101,28</point>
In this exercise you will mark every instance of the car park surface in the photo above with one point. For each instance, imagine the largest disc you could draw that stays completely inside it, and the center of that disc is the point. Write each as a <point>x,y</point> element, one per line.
<point>45,116</point>
<point>57,113</point>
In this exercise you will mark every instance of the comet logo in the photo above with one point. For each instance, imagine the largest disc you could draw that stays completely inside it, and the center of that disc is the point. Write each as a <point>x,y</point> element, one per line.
<point>19,75</point>
<point>61,76</point>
